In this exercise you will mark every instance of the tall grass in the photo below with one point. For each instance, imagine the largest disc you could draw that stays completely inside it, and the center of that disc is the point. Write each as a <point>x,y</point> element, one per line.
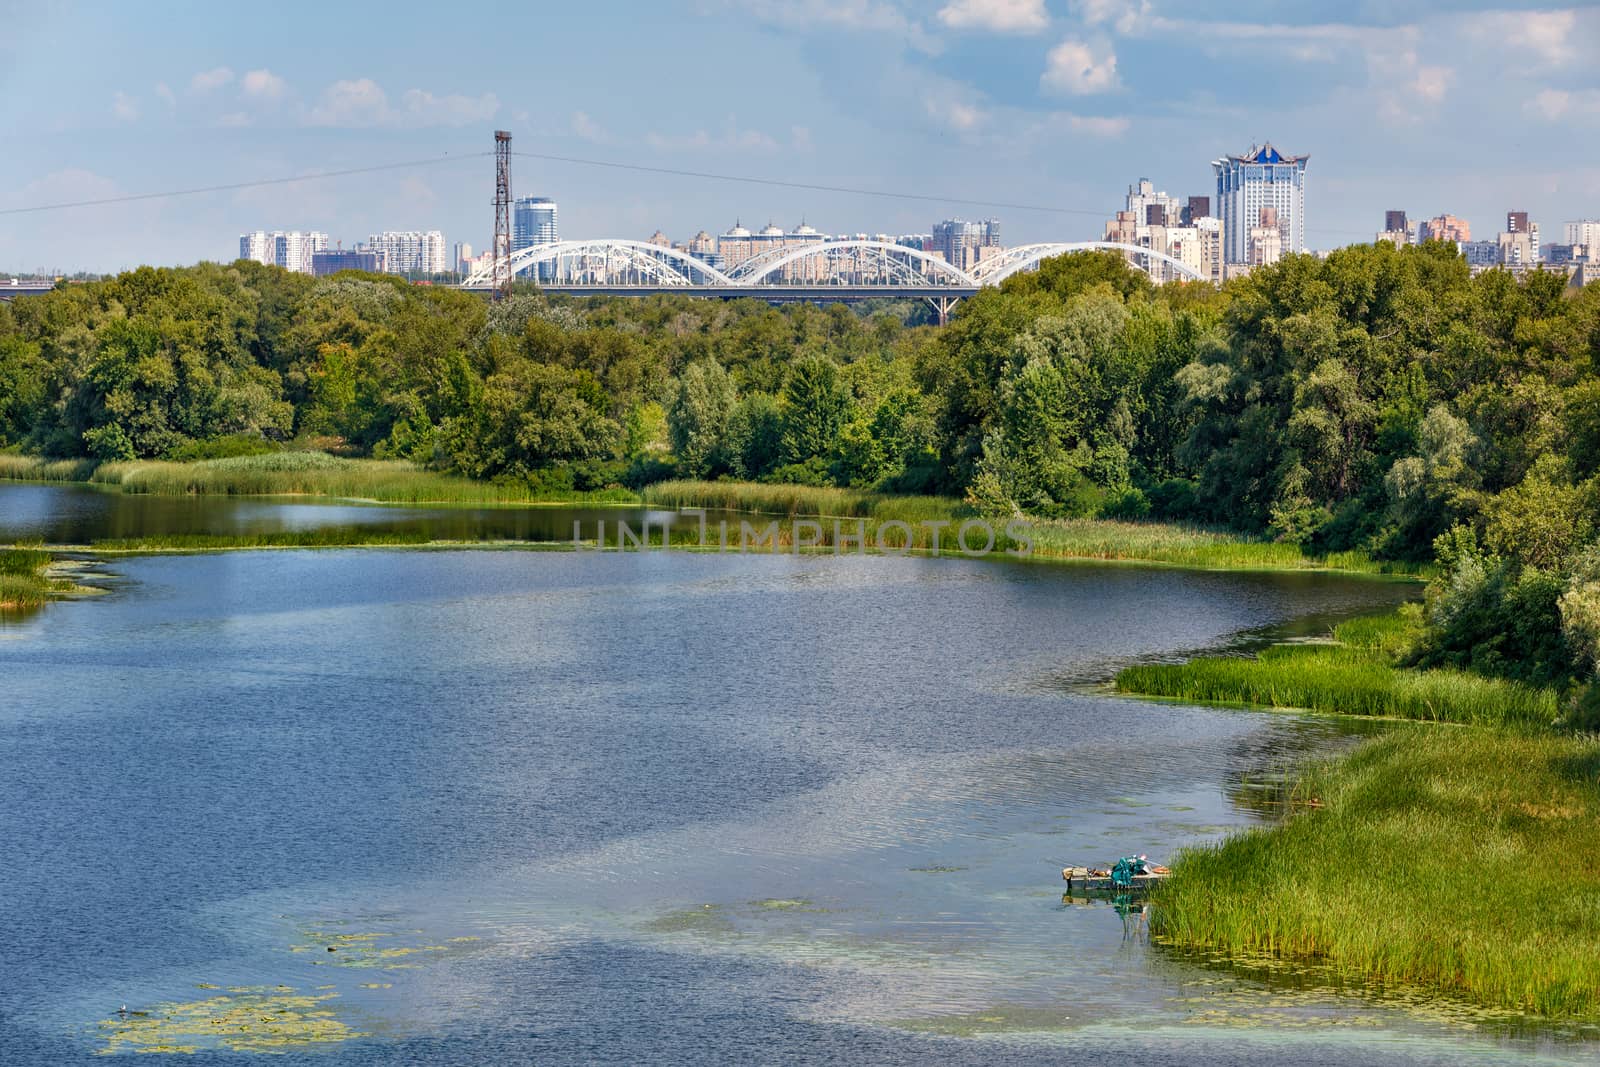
<point>321,537</point>
<point>798,500</point>
<point>1355,676</point>
<point>1463,861</point>
<point>1101,539</point>
<point>23,583</point>
<point>298,473</point>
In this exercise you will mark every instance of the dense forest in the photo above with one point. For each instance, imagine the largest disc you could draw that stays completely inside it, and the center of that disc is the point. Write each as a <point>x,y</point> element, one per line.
<point>1380,399</point>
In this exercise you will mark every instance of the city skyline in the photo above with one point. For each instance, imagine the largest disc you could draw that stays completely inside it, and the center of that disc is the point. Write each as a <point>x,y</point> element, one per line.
<point>1441,110</point>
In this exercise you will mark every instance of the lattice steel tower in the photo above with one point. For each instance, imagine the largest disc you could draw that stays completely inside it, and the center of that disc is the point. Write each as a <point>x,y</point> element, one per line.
<point>502,213</point>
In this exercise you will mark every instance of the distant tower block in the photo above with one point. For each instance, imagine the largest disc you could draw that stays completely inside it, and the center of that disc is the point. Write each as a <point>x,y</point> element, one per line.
<point>502,213</point>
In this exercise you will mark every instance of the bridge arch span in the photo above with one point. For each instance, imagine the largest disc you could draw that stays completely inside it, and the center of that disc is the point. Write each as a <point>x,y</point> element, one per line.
<point>894,262</point>
<point>997,269</point>
<point>663,266</point>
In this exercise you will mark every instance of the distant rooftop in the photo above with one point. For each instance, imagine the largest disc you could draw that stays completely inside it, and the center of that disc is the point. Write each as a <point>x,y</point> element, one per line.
<point>1266,153</point>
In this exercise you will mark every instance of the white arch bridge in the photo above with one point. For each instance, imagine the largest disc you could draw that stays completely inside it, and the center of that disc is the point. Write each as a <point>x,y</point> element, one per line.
<point>820,271</point>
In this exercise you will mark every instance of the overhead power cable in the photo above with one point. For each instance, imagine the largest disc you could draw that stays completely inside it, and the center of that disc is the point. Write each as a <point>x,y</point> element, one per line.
<point>431,161</point>
<point>810,186</point>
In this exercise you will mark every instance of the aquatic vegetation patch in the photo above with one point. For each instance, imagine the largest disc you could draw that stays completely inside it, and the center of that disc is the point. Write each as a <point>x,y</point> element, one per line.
<point>31,578</point>
<point>1088,539</point>
<point>1357,674</point>
<point>265,1020</point>
<point>299,473</point>
<point>366,948</point>
<point>707,919</point>
<point>1458,862</point>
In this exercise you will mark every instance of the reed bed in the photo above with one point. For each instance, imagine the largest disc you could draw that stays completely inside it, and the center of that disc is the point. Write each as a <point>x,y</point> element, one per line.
<point>1355,676</point>
<point>1186,545</point>
<point>1463,862</point>
<point>23,582</point>
<point>1099,539</point>
<point>801,500</point>
<point>325,537</point>
<point>299,474</point>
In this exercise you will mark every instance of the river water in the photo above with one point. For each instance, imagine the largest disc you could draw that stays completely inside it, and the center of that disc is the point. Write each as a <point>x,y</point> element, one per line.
<point>640,807</point>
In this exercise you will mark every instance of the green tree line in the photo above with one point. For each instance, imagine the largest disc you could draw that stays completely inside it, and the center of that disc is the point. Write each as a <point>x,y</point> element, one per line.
<point>1378,398</point>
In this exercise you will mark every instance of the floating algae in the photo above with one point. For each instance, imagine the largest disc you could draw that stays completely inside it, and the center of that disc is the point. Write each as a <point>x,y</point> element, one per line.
<point>244,1022</point>
<point>364,949</point>
<point>708,919</point>
<point>783,905</point>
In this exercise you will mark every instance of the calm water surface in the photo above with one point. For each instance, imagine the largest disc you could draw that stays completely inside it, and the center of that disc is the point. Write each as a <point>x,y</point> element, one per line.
<point>666,807</point>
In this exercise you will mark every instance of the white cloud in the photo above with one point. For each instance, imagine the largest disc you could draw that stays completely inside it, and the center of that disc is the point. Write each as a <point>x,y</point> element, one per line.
<point>363,102</point>
<point>358,102</point>
<point>1074,67</point>
<point>862,16</point>
<point>960,115</point>
<point>166,96</point>
<point>731,138</point>
<point>1124,16</point>
<point>263,85</point>
<point>1097,125</point>
<point>124,106</point>
<point>587,129</point>
<point>1551,35</point>
<point>1432,83</point>
<point>209,80</point>
<point>1555,104</point>
<point>421,108</point>
<point>998,16</point>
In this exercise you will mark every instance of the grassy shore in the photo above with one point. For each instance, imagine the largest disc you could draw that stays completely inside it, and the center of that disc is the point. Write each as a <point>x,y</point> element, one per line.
<point>1461,861</point>
<point>930,522</point>
<point>1465,862</point>
<point>1353,675</point>
<point>1097,539</point>
<point>23,582</point>
<point>296,473</point>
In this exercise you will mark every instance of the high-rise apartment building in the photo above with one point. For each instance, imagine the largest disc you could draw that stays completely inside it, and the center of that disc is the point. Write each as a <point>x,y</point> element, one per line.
<point>1585,232</point>
<point>1396,229</point>
<point>1198,207</point>
<point>1266,239</point>
<point>1445,228</point>
<point>1261,178</point>
<point>1152,208</point>
<point>533,222</point>
<point>463,256</point>
<point>963,243</point>
<point>291,251</point>
<point>1519,247</point>
<point>410,252</point>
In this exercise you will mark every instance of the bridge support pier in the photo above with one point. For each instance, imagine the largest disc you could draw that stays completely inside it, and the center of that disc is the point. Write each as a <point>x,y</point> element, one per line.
<point>943,305</point>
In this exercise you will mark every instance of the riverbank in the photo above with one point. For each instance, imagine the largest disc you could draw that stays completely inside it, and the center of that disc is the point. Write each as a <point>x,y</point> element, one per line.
<point>915,523</point>
<point>297,474</point>
<point>1354,673</point>
<point>1463,861</point>
<point>23,581</point>
<point>1106,540</point>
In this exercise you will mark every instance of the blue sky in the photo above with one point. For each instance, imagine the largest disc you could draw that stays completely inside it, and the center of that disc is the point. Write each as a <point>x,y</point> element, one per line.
<point>1470,108</point>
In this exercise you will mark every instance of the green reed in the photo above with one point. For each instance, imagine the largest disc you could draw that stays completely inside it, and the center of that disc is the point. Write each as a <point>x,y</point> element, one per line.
<point>300,474</point>
<point>1462,861</point>
<point>23,581</point>
<point>1355,675</point>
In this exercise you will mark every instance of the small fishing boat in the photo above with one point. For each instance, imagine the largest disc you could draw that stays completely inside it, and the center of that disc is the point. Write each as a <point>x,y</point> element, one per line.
<point>1131,874</point>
